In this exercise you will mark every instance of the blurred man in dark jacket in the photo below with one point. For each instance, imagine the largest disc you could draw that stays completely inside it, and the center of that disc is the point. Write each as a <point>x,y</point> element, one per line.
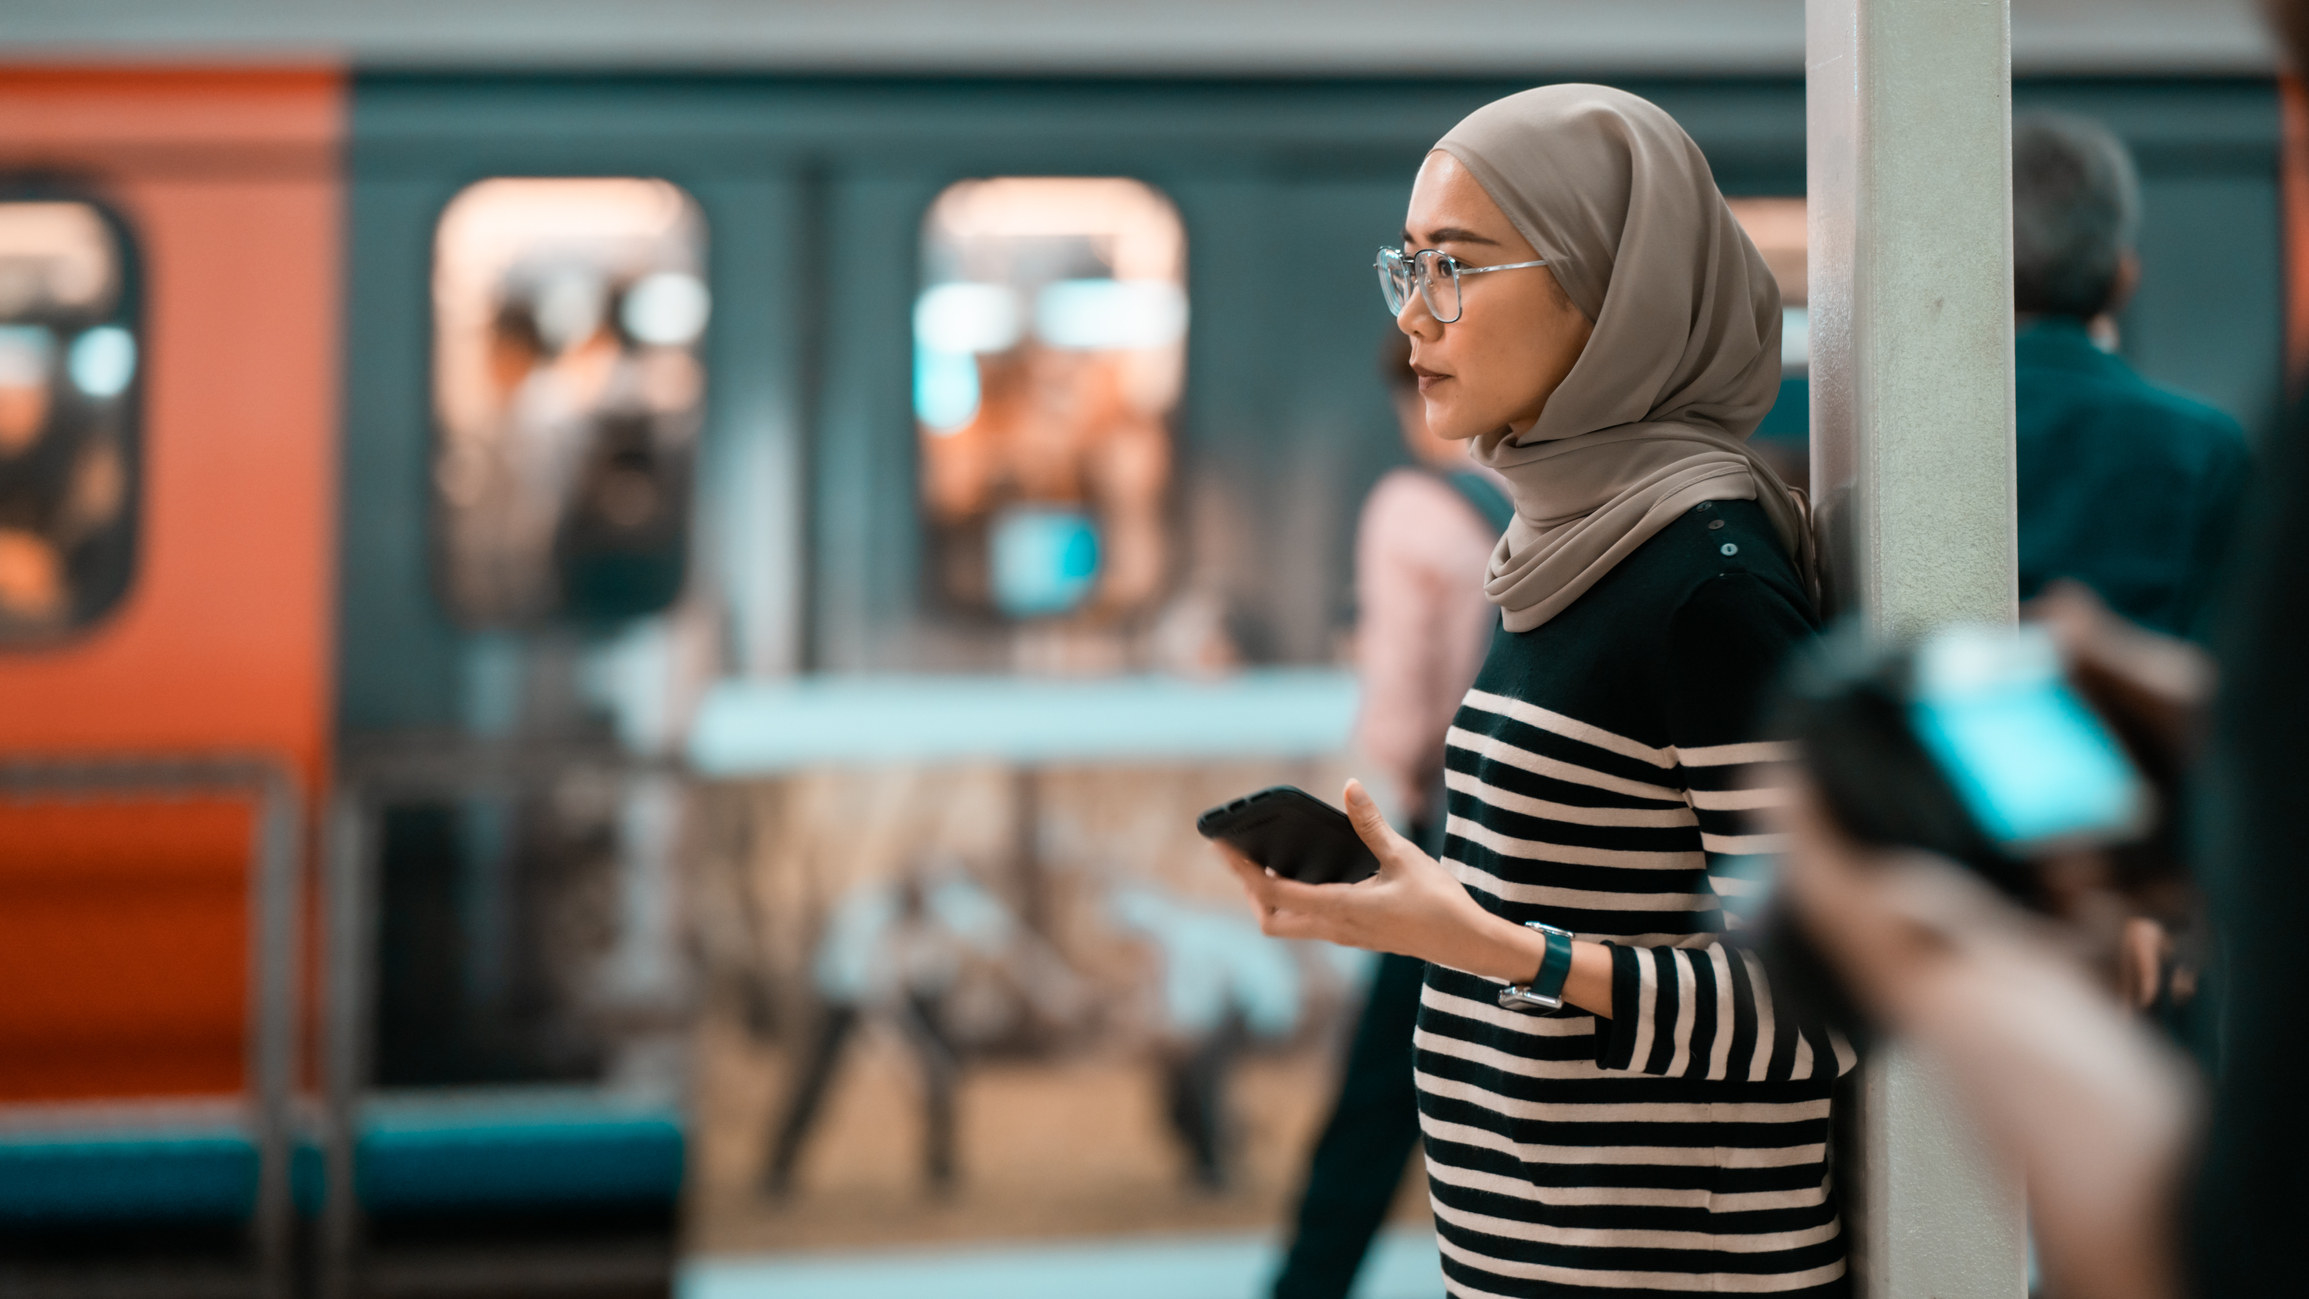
<point>2124,486</point>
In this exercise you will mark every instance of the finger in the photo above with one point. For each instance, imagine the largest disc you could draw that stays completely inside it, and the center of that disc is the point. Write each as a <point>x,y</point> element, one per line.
<point>1293,895</point>
<point>1256,881</point>
<point>1275,893</point>
<point>1363,810</point>
<point>1232,855</point>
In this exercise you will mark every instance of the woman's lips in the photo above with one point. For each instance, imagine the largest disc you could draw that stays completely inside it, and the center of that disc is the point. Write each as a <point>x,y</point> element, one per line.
<point>1428,378</point>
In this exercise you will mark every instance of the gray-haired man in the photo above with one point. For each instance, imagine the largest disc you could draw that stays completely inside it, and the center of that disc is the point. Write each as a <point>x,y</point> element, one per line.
<point>2124,486</point>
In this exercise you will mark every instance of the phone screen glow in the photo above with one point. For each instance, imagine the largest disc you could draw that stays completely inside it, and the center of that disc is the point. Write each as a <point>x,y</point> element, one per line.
<point>2032,763</point>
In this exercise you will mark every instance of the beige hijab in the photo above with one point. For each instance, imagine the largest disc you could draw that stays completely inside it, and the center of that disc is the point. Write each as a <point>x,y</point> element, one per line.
<point>1684,360</point>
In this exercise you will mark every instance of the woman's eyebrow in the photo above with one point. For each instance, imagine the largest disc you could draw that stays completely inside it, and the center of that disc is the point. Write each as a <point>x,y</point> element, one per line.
<point>1452,235</point>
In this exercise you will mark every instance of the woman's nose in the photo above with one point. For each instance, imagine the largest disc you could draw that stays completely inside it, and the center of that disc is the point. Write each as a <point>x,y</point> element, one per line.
<point>1414,319</point>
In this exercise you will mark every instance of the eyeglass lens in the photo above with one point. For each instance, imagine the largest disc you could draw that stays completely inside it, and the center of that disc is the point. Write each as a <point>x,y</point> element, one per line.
<point>1436,276</point>
<point>1394,280</point>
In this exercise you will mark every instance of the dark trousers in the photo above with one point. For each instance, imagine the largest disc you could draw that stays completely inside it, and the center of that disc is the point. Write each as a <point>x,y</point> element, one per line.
<point>918,1017</point>
<point>1358,1162</point>
<point>1195,1087</point>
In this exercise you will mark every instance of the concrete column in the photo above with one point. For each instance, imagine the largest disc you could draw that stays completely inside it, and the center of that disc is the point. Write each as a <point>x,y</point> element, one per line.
<point>1909,108</point>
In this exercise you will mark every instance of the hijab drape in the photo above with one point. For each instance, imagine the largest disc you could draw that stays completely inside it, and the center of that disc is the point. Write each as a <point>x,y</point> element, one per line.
<point>1682,364</point>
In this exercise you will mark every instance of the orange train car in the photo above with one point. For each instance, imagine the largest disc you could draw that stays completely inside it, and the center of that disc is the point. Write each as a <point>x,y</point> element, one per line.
<point>123,926</point>
<point>169,290</point>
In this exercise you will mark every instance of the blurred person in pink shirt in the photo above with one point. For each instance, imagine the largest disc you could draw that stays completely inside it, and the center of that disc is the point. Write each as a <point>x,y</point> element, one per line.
<point>1422,628</point>
<point>1423,623</point>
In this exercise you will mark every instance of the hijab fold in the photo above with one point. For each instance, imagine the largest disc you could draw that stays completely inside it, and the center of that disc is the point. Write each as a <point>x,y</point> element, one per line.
<point>1684,360</point>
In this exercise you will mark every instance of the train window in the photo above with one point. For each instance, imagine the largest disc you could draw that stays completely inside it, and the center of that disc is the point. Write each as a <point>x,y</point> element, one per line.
<point>68,418</point>
<point>1049,348</point>
<point>569,388</point>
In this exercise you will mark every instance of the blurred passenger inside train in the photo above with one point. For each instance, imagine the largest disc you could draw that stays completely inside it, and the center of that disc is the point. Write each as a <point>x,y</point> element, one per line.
<point>2126,487</point>
<point>550,358</point>
<point>32,586</point>
<point>570,395</point>
<point>1049,352</point>
<point>620,548</point>
<point>506,491</point>
<point>1056,430</point>
<point>67,364</point>
<point>1422,627</point>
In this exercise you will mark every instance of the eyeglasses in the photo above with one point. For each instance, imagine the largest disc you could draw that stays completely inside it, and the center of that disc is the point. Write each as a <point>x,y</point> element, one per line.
<point>1436,273</point>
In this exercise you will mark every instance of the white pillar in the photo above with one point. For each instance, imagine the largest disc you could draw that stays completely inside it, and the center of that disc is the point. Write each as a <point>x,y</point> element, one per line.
<point>1909,119</point>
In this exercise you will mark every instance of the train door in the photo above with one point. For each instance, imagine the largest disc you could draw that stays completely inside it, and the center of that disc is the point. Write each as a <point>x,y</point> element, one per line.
<point>567,345</point>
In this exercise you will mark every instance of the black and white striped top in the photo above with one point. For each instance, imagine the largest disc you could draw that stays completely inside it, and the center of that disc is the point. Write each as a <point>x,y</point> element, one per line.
<point>1597,772</point>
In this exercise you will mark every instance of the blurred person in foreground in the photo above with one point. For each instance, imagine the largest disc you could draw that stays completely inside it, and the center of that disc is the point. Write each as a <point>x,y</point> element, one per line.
<point>2008,964</point>
<point>2124,486</point>
<point>2126,1199</point>
<point>1421,629</point>
<point>1612,1100</point>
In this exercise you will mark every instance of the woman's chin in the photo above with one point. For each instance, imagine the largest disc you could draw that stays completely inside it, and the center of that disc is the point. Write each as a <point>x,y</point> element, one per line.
<point>1448,424</point>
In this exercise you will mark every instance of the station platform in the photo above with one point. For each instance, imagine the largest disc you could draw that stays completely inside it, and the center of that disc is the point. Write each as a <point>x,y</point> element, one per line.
<point>1401,1265</point>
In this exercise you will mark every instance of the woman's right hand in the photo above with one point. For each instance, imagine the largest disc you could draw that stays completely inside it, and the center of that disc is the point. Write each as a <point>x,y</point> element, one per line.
<point>1412,907</point>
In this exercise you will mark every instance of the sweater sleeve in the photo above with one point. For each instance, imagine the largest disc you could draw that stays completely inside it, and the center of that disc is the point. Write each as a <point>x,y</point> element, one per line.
<point>1706,1010</point>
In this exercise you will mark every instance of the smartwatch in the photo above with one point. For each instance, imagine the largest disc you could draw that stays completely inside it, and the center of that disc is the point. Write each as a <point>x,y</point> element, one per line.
<point>1545,991</point>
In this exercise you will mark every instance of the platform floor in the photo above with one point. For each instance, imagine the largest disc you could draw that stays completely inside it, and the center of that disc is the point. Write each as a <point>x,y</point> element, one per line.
<point>1048,1153</point>
<point>1402,1266</point>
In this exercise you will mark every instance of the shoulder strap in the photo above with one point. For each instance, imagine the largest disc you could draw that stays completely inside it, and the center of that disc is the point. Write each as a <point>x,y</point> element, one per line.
<point>1481,491</point>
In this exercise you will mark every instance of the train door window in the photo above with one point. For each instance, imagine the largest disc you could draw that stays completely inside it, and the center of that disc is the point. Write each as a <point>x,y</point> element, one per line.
<point>568,391</point>
<point>1049,349</point>
<point>68,418</point>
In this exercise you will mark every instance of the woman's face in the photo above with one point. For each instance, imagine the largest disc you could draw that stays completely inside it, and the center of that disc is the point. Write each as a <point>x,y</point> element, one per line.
<point>1517,334</point>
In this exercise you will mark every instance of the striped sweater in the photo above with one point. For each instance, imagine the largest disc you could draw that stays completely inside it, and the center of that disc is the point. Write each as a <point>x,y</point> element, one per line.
<point>1598,774</point>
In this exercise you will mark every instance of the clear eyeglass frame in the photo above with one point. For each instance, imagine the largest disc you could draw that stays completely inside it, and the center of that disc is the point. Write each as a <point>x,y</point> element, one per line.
<point>1436,275</point>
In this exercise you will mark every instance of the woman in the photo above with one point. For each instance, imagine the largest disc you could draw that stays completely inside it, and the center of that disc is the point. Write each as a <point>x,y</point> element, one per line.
<point>1583,308</point>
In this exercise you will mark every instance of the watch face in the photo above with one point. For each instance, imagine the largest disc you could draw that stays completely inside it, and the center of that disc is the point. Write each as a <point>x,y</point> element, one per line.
<point>1516,996</point>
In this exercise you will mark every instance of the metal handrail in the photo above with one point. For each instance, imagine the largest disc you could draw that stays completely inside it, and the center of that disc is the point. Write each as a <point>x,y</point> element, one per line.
<point>275,890</point>
<point>367,779</point>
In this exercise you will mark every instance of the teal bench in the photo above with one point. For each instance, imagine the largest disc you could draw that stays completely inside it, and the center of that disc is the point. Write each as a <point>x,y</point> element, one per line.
<point>515,1149</point>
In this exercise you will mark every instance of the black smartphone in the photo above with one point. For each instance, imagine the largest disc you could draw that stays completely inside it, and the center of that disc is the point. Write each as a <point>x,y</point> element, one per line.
<point>1294,834</point>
